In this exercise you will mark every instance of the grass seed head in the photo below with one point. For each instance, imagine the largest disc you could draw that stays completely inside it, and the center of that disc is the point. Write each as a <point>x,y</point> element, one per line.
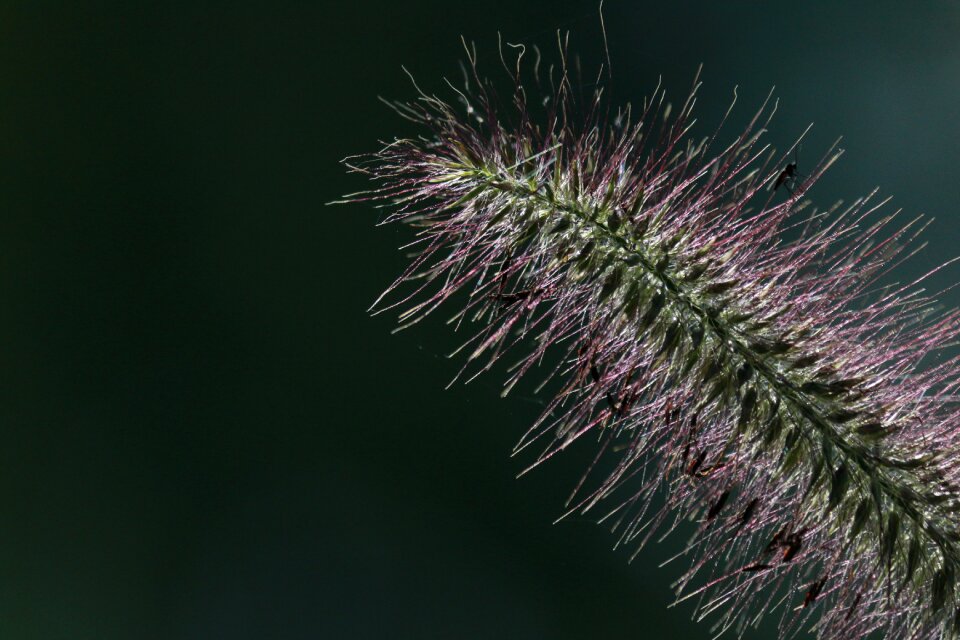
<point>770,388</point>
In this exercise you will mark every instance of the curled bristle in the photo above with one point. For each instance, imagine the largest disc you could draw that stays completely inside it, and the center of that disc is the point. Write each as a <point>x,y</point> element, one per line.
<point>723,342</point>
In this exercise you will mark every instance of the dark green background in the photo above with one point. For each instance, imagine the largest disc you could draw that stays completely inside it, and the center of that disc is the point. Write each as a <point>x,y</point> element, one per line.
<point>204,435</point>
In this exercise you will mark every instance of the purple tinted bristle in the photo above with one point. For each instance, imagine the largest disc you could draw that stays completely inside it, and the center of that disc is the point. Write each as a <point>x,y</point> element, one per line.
<point>771,389</point>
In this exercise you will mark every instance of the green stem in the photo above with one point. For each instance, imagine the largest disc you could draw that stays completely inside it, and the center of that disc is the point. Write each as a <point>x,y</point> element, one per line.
<point>786,389</point>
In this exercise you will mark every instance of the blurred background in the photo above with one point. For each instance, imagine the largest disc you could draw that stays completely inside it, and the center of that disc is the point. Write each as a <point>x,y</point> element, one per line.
<point>202,432</point>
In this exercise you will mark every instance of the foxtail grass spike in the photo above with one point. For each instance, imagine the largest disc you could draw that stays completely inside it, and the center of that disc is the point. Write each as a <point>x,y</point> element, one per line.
<point>719,340</point>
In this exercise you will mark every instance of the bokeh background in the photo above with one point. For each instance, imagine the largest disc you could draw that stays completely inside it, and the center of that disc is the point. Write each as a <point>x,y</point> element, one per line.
<point>202,432</point>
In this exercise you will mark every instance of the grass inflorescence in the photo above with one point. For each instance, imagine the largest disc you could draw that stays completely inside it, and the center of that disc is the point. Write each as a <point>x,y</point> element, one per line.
<point>782,397</point>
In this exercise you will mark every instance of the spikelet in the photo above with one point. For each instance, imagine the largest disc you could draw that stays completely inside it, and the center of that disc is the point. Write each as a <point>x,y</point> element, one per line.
<point>771,388</point>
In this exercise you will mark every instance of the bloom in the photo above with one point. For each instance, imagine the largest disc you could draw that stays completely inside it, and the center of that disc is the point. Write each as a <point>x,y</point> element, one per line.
<point>773,389</point>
